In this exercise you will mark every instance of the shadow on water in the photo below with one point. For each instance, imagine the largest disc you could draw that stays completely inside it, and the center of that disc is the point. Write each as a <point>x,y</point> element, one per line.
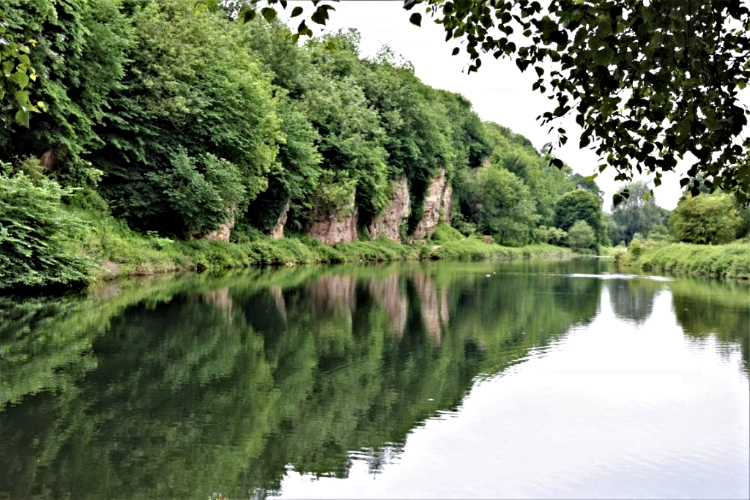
<point>195,385</point>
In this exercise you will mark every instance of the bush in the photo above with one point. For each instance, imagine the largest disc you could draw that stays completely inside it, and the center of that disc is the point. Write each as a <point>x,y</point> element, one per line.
<point>636,248</point>
<point>581,236</point>
<point>706,219</point>
<point>658,232</point>
<point>550,235</point>
<point>34,232</point>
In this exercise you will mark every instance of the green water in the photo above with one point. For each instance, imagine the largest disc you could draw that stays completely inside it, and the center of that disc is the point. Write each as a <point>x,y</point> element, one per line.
<point>536,380</point>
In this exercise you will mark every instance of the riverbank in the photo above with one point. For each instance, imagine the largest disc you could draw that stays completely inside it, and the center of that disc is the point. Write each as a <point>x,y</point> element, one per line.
<point>721,261</point>
<point>116,251</point>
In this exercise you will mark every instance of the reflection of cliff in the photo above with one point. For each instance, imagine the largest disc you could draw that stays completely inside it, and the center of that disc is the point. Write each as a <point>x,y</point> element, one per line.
<point>222,300</point>
<point>387,292</point>
<point>332,293</point>
<point>433,304</point>
<point>188,397</point>
<point>633,299</point>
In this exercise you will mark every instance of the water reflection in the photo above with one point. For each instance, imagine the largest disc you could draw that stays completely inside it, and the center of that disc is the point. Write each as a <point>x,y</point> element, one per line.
<point>633,299</point>
<point>189,387</point>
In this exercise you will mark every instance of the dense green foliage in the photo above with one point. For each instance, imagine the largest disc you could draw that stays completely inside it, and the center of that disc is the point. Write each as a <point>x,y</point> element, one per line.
<point>16,73</point>
<point>581,236</point>
<point>78,55</point>
<point>193,131</point>
<point>706,219</point>
<point>34,232</point>
<point>580,205</point>
<point>723,261</point>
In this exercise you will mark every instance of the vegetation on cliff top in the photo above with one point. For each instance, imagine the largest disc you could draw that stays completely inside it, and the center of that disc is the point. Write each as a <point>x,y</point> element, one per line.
<point>166,124</point>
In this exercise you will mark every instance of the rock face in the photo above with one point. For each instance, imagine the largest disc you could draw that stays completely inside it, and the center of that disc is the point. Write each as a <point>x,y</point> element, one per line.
<point>439,198</point>
<point>387,224</point>
<point>278,229</point>
<point>448,204</point>
<point>338,227</point>
<point>223,232</point>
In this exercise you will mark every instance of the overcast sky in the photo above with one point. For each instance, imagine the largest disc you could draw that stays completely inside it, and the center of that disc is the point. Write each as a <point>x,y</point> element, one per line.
<point>499,91</point>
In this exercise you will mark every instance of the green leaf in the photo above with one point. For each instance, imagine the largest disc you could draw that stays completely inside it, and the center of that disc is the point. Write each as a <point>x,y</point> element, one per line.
<point>416,19</point>
<point>320,16</point>
<point>22,117</point>
<point>269,14</point>
<point>297,11</point>
<point>247,15</point>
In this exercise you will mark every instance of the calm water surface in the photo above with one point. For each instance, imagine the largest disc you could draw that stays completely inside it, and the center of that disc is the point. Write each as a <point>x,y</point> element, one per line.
<point>519,380</point>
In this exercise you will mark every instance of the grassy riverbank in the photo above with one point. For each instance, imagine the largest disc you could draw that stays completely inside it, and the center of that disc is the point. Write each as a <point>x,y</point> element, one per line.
<point>722,261</point>
<point>114,250</point>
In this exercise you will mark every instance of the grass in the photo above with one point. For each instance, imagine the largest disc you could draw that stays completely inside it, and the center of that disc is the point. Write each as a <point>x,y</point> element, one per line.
<point>119,251</point>
<point>723,261</point>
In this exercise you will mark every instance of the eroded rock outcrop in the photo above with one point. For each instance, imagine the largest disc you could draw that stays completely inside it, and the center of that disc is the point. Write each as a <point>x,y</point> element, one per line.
<point>335,226</point>
<point>388,223</point>
<point>223,232</point>
<point>438,199</point>
<point>278,229</point>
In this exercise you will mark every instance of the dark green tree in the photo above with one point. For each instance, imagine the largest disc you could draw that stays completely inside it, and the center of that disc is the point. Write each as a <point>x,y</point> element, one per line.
<point>193,132</point>
<point>501,205</point>
<point>78,55</point>
<point>580,205</point>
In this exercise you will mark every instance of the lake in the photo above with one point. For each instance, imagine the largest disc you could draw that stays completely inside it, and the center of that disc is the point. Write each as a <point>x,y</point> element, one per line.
<point>531,379</point>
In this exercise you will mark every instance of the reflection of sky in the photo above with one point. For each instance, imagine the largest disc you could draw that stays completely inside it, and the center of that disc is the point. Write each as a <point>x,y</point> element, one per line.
<point>614,409</point>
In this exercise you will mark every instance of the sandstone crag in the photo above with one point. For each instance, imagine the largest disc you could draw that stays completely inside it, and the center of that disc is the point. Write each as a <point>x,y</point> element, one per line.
<point>437,200</point>
<point>278,229</point>
<point>388,223</point>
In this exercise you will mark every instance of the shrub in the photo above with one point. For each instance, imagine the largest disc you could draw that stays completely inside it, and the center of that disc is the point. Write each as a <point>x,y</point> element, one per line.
<point>658,232</point>
<point>550,235</point>
<point>581,236</point>
<point>706,219</point>
<point>636,248</point>
<point>34,230</point>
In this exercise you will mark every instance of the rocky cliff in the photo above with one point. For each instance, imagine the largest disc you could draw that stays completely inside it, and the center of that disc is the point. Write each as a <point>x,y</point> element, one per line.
<point>438,198</point>
<point>222,233</point>
<point>339,226</point>
<point>278,229</point>
<point>387,224</point>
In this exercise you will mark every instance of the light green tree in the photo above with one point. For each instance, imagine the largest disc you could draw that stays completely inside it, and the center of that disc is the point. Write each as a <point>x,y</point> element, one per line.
<point>581,236</point>
<point>706,219</point>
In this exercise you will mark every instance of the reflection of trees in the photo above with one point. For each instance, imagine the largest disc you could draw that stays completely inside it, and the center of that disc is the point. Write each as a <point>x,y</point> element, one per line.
<point>719,308</point>
<point>633,299</point>
<point>220,388</point>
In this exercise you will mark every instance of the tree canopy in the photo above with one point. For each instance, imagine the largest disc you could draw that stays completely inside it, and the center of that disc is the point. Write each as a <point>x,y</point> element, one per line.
<point>649,83</point>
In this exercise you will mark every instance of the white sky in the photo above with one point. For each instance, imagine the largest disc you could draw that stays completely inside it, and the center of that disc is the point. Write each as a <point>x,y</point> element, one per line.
<point>499,91</point>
